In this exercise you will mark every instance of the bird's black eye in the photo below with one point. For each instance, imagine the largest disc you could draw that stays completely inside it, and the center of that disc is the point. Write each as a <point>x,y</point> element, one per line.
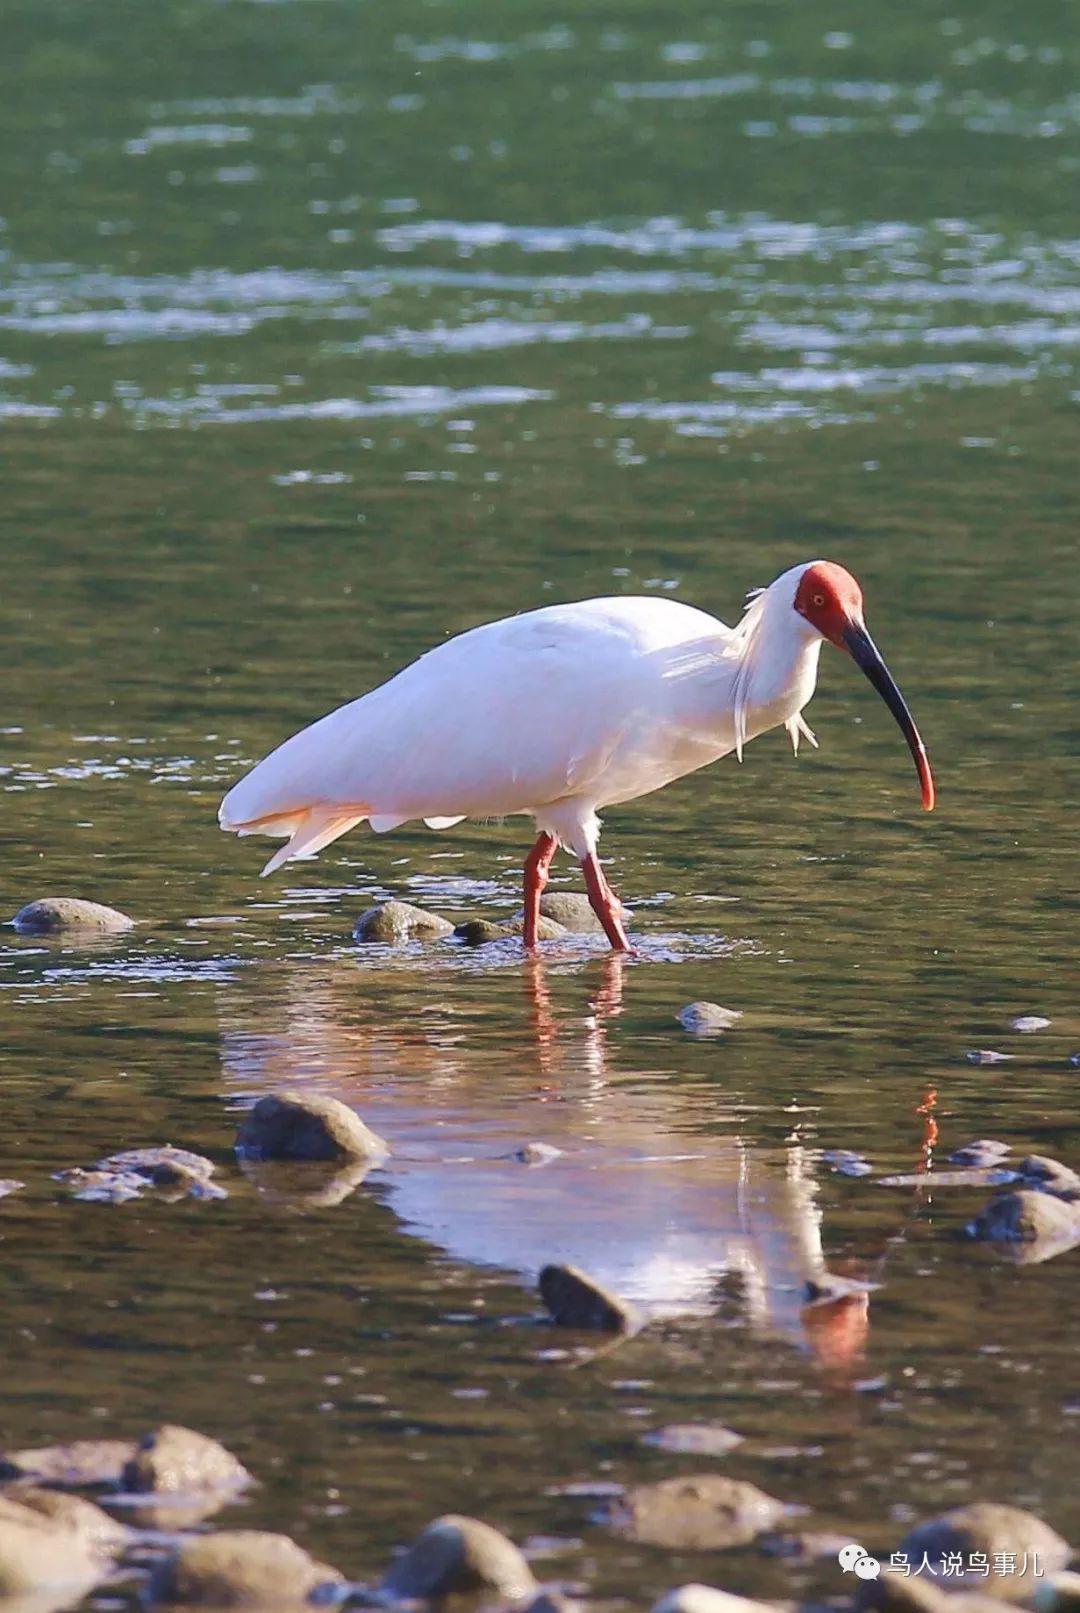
<point>819,599</point>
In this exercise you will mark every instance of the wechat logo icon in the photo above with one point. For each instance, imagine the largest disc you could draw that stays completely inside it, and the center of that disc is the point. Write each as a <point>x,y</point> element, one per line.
<point>855,1559</point>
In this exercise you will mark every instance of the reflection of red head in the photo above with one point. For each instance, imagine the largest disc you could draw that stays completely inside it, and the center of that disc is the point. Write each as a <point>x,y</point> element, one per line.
<point>837,1333</point>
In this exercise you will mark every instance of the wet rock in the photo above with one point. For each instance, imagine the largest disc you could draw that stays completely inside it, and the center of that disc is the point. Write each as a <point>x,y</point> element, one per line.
<point>395,923</point>
<point>175,1460</point>
<point>84,1464</point>
<point>552,1602</point>
<point>1050,1176</point>
<point>985,1151</point>
<point>536,1154</point>
<point>159,1164</point>
<point>105,1536</point>
<point>67,915</point>
<point>987,1533</point>
<point>1048,1224</point>
<point>705,1512</point>
<point>706,1599</point>
<point>577,1300</point>
<point>707,1019</point>
<point>239,1568</point>
<point>693,1439</point>
<point>987,1055</point>
<point>37,1554</point>
<point>573,911</point>
<point>8,1184</point>
<point>306,1125</point>
<point>478,932</point>
<point>459,1554</point>
<point>846,1162</point>
<point>1027,1023</point>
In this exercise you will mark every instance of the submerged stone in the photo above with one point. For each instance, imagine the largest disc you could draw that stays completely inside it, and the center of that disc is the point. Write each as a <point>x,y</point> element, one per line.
<point>986,1151</point>
<point>1027,1023</point>
<point>573,911</point>
<point>693,1439</point>
<point>8,1184</point>
<point>577,1300</point>
<point>175,1460</point>
<point>1050,1176</point>
<point>707,1019</point>
<point>478,932</point>
<point>981,1533</point>
<point>306,1125</point>
<point>65,915</point>
<point>395,923</point>
<point>457,1553</point>
<point>704,1512</point>
<point>846,1162</point>
<point>239,1568</point>
<point>156,1163</point>
<point>83,1464</point>
<point>536,1153</point>
<point>987,1055</point>
<point>105,1536</point>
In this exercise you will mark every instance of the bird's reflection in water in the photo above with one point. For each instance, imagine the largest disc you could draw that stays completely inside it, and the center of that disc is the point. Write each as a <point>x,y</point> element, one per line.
<point>658,1189</point>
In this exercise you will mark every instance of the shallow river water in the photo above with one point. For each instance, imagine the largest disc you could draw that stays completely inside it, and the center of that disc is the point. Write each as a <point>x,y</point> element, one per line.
<point>328,329</point>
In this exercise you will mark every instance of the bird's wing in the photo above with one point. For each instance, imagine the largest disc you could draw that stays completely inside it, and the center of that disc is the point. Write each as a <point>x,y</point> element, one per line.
<point>502,719</point>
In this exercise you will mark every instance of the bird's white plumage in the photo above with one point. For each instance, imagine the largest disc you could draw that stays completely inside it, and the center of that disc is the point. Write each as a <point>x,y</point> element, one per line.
<point>556,713</point>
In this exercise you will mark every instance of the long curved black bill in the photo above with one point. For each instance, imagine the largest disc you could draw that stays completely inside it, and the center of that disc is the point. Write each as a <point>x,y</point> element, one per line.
<point>865,653</point>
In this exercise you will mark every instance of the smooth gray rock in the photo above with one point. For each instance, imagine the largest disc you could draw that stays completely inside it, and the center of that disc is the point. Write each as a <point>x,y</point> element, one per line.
<point>987,1055</point>
<point>457,1553</point>
<point>693,1439</point>
<point>67,915</point>
<point>846,1162</point>
<point>239,1568</point>
<point>707,1019</point>
<point>536,1153</point>
<point>704,1512</point>
<point>306,1125</point>
<point>9,1185</point>
<point>478,932</point>
<point>577,1300</point>
<point>395,923</point>
<point>988,1530</point>
<point>84,1464</point>
<point>101,1187</point>
<point>173,1460</point>
<point>1026,1024</point>
<point>1040,1224</point>
<point>573,911</point>
<point>706,1599</point>
<point>157,1163</point>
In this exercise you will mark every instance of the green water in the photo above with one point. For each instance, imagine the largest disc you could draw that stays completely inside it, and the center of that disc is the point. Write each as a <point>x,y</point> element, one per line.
<point>328,329</point>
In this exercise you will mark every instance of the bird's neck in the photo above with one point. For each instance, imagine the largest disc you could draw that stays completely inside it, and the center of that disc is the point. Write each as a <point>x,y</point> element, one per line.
<point>778,657</point>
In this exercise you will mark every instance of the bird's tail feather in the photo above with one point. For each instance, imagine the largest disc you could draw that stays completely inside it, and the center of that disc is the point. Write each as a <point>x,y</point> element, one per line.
<point>310,831</point>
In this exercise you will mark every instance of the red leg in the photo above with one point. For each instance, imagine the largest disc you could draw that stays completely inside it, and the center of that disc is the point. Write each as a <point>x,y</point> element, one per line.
<point>537,864</point>
<point>604,903</point>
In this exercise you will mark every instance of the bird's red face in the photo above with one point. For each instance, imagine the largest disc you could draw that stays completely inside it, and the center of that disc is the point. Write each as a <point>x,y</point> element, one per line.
<point>830,599</point>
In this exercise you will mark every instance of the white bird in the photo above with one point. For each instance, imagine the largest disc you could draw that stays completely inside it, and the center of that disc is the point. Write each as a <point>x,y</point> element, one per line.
<point>560,712</point>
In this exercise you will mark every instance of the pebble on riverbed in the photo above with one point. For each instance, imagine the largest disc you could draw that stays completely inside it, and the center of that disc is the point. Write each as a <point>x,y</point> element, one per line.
<point>396,923</point>
<point>985,1151</point>
<point>707,1019</point>
<point>1050,1176</point>
<point>239,1568</point>
<point>704,1512</point>
<point>577,1300</point>
<point>1027,1023</point>
<point>67,915</point>
<point>693,1439</point>
<point>458,1553</point>
<point>172,1460</point>
<point>125,1176</point>
<point>574,912</point>
<point>9,1185</point>
<point>306,1125</point>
